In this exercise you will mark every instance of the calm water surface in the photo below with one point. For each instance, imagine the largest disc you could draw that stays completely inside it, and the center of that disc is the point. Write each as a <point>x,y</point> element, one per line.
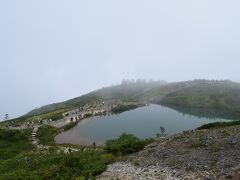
<point>143,122</point>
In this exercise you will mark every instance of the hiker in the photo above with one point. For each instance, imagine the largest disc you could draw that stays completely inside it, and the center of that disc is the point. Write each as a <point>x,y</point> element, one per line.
<point>94,145</point>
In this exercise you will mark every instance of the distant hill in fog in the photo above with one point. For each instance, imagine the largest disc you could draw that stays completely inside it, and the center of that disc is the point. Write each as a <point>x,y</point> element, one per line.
<point>222,95</point>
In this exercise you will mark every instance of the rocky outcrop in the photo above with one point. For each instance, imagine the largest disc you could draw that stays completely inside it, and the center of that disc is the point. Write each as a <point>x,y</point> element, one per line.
<point>199,154</point>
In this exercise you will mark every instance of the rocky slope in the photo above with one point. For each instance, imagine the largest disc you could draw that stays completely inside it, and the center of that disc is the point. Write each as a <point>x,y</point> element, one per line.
<point>197,154</point>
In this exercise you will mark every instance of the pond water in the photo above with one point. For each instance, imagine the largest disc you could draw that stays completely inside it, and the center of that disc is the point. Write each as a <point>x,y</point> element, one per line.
<point>144,122</point>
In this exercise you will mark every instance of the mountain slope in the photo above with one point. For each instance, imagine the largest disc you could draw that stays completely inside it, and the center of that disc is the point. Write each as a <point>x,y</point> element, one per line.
<point>222,95</point>
<point>123,92</point>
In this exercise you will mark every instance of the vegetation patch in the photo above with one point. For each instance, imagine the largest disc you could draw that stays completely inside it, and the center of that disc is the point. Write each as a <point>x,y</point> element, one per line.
<point>85,164</point>
<point>69,126</point>
<point>55,115</point>
<point>87,115</point>
<point>14,142</point>
<point>197,144</point>
<point>57,165</point>
<point>122,108</point>
<point>18,161</point>
<point>126,144</point>
<point>219,125</point>
<point>46,134</point>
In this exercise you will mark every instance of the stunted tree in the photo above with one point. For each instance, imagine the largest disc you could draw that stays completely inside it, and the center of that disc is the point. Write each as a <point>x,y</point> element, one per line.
<point>124,81</point>
<point>128,81</point>
<point>162,132</point>
<point>140,81</point>
<point>6,117</point>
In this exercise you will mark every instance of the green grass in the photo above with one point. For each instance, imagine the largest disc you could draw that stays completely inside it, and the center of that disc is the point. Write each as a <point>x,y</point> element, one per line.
<point>219,125</point>
<point>67,105</point>
<point>19,161</point>
<point>14,142</point>
<point>46,134</point>
<point>55,165</point>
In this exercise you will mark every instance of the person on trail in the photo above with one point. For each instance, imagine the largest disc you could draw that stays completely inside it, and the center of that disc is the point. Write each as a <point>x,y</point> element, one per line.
<point>94,145</point>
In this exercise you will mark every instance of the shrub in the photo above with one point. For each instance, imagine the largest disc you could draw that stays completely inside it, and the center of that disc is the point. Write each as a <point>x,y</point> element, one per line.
<point>126,144</point>
<point>87,115</point>
<point>46,134</point>
<point>122,108</point>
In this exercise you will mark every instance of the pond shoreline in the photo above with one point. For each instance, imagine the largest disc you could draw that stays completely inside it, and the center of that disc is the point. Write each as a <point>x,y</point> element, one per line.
<point>85,130</point>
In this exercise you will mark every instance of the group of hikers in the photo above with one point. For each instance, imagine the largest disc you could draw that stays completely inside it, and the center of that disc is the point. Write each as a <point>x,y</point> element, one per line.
<point>68,150</point>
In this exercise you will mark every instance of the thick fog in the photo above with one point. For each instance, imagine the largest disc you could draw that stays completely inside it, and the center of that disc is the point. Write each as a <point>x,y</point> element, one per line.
<point>55,50</point>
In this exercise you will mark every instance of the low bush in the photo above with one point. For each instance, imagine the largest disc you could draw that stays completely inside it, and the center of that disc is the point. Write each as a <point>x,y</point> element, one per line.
<point>126,144</point>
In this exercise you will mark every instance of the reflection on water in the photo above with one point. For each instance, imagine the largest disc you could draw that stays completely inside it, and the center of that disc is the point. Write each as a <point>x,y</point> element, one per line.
<point>206,112</point>
<point>143,122</point>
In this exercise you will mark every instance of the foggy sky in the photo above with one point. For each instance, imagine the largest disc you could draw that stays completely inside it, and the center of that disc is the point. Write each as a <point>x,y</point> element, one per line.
<point>51,51</point>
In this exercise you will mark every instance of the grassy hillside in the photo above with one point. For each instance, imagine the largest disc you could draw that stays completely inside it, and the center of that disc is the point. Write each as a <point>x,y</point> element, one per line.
<point>14,142</point>
<point>19,160</point>
<point>54,165</point>
<point>221,95</point>
<point>88,98</point>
